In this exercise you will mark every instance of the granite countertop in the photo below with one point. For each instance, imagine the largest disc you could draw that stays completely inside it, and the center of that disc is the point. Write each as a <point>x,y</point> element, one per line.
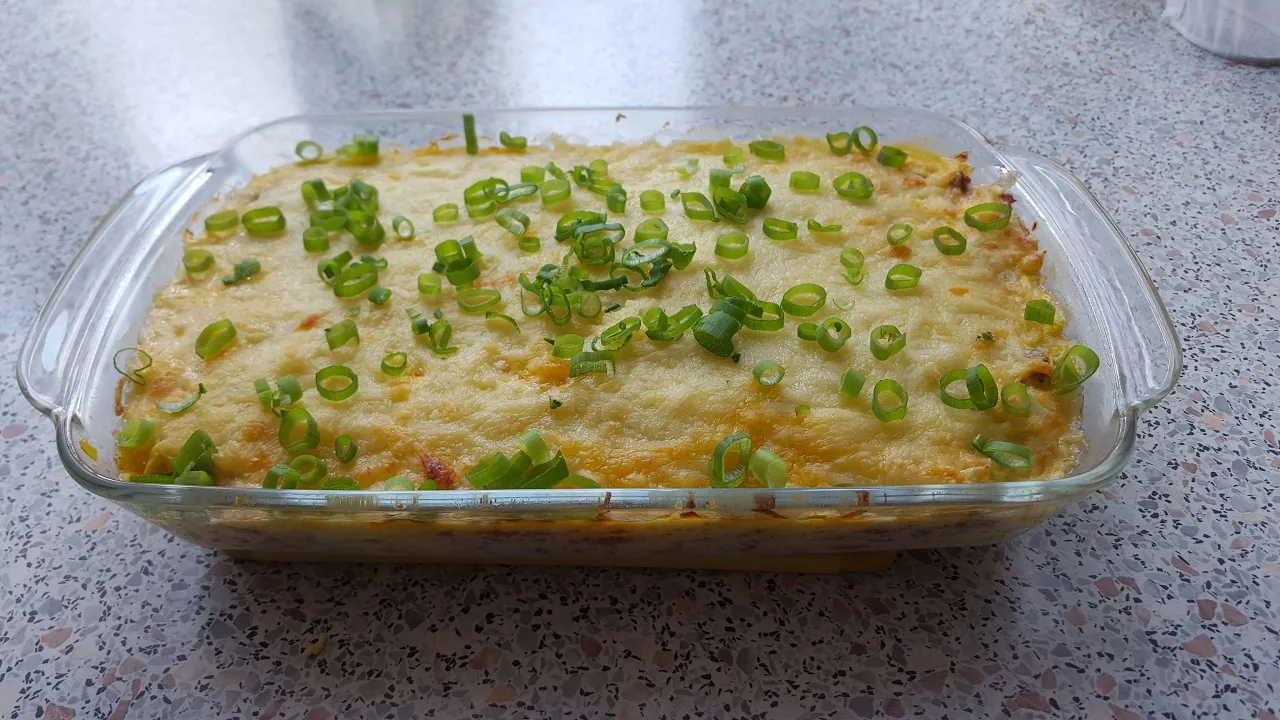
<point>1155,597</point>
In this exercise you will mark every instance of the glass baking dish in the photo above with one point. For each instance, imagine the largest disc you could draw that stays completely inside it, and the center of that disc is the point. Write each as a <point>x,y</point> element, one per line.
<point>100,303</point>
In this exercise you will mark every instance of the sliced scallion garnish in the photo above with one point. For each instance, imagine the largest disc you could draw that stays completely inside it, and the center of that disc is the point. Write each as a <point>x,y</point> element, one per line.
<point>1039,311</point>
<point>757,192</point>
<point>697,206</point>
<point>895,412</point>
<point>886,341</point>
<point>840,143</point>
<point>851,382</point>
<point>308,151</point>
<point>1008,454</point>
<point>817,227</point>
<point>243,270</point>
<point>804,299</point>
<point>1078,364</point>
<point>854,185</point>
<point>345,449</point>
<point>898,233</point>
<point>1015,400</point>
<point>513,221</point>
<point>732,245</point>
<point>949,241</point>
<point>341,334</point>
<point>767,149</point>
<point>394,363</point>
<point>197,260</point>
<point>805,180</point>
<point>768,372</point>
<point>290,421</point>
<point>768,469</point>
<point>988,216</point>
<point>445,213</point>
<point>736,447</point>
<point>469,133</point>
<point>653,201</point>
<point>263,220</point>
<point>495,315</point>
<point>890,156</point>
<point>983,391</point>
<point>902,277</point>
<point>429,284</point>
<point>136,434</point>
<point>337,371</point>
<point>869,144</point>
<point>776,229</point>
<point>833,333</point>
<point>222,221</point>
<point>513,142</point>
<point>215,336</point>
<point>132,375</point>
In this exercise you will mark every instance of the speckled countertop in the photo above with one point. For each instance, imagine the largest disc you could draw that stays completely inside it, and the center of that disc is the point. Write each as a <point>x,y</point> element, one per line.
<point>1157,597</point>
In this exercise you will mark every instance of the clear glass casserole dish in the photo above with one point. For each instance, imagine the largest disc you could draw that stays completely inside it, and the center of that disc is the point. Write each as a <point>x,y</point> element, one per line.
<point>99,305</point>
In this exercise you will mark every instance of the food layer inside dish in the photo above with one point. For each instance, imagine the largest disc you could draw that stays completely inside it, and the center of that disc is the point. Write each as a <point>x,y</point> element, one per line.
<point>654,403</point>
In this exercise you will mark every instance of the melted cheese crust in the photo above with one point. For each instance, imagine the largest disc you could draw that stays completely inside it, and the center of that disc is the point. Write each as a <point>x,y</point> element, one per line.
<point>655,422</point>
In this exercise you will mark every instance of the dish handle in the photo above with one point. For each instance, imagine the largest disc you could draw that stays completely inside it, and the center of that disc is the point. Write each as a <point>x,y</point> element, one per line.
<point>1110,273</point>
<point>78,308</point>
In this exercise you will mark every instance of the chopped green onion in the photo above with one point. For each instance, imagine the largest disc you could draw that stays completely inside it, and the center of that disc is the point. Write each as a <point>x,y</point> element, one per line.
<point>804,299</point>
<point>136,434</point>
<point>197,260</point>
<point>840,143</point>
<point>310,469</point>
<point>688,169</point>
<point>337,371</point>
<point>429,284</point>
<point>289,422</point>
<point>445,213</point>
<point>854,185</point>
<point>1040,311</point>
<point>902,277</point>
<point>730,477</point>
<point>469,132</point>
<point>1077,365</point>
<point>715,330</point>
<point>308,151</point>
<point>616,336</point>
<point>720,178</point>
<point>697,206</point>
<point>533,174</point>
<point>768,469</point>
<point>730,204</point>
<point>1015,400</point>
<point>345,448</point>
<point>363,145</point>
<point>732,156</point>
<point>805,180</point>
<point>768,372</point>
<point>403,228</point>
<point>555,404</point>
<point>488,470</point>
<point>886,341</point>
<point>852,258</point>
<point>355,279</point>
<point>394,363</point>
<point>222,221</point>
<point>513,221</point>
<point>983,391</point>
<point>889,387</point>
<point>243,270</point>
<point>461,272</point>
<point>341,334</point>
<point>495,315</point>
<point>556,190</point>
<point>767,149</point>
<point>988,216</point>
<point>153,478</point>
<point>651,229</point>
<point>529,244</point>
<point>833,333</point>
<point>263,220</point>
<point>647,251</point>
<point>588,304</point>
<point>194,477</point>
<point>398,484</point>
<point>652,201</point>
<point>891,156</point>
<point>331,268</point>
<point>756,190</point>
<point>592,361</point>
<point>281,477</point>
<point>776,229</point>
<point>216,336</point>
<point>569,223</point>
<point>478,299</point>
<point>340,483</point>
<point>949,241</point>
<point>479,198</point>
<point>817,227</point>
<point>944,385</point>
<point>532,444</point>
<point>898,233</point>
<point>328,220</point>
<point>616,199</point>
<point>1008,454</point>
<point>807,331</point>
<point>802,411</point>
<point>196,454</point>
<point>732,245</point>
<point>662,328</point>
<point>315,239</point>
<point>865,147</point>
<point>513,142</point>
<point>134,376</point>
<point>851,382</point>
<point>379,296</point>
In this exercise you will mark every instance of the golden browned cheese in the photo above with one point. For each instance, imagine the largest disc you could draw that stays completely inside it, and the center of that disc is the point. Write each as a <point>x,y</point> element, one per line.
<point>656,421</point>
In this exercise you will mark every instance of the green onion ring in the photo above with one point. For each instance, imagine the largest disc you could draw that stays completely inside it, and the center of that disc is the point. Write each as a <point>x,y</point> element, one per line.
<point>732,156</point>
<point>556,190</point>
<point>732,245</point>
<point>767,149</point>
<point>792,306</point>
<point>355,279</point>
<point>730,204</point>
<point>529,244</point>
<point>281,477</point>
<point>136,434</point>
<point>776,229</point>
<point>394,363</point>
<point>851,383</point>
<point>197,260</point>
<point>513,221</point>
<point>341,334</point>
<point>807,331</point>
<point>852,258</point>
<point>756,190</point>
<point>840,143</point>
<point>817,227</point>
<point>263,220</point>
<point>952,377</point>
<point>173,408</point>
<point>308,151</point>
<point>429,284</point>
<point>653,228</point>
<point>345,449</point>
<point>495,315</point>
<point>1015,400</point>
<point>315,239</point>
<point>1007,454</point>
<point>805,180</point>
<point>616,199</point>
<point>243,270</point>
<point>697,206</point>
<point>983,391</point>
<point>833,333</point>
<point>566,346</point>
<point>975,217</point>
<point>445,213</point>
<point>890,156</point>
<point>768,372</point>
<point>652,201</point>
<point>290,420</point>
<point>949,241</point>
<point>513,142</point>
<point>1077,365</point>
<point>222,221</point>
<point>216,336</point>
<point>886,341</point>
<point>478,299</point>
<point>854,185</point>
<point>310,469</point>
<point>898,233</point>
<point>732,477</point>
<point>870,144</point>
<point>533,174</point>
<point>592,361</point>
<point>902,277</point>
<point>1039,311</point>
<point>768,469</point>
<point>469,132</point>
<point>889,387</point>
<point>134,376</point>
<point>338,371</point>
